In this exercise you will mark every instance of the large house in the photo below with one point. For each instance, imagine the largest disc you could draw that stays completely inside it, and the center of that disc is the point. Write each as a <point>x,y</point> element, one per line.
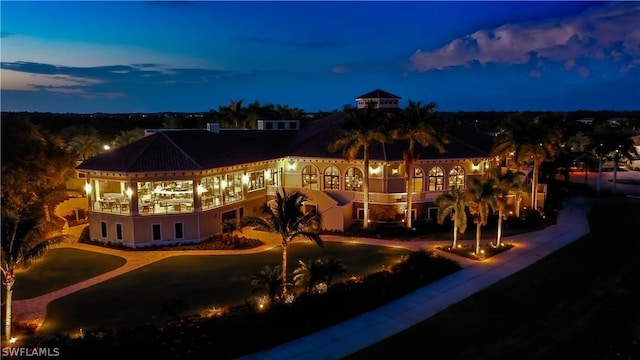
<point>178,186</point>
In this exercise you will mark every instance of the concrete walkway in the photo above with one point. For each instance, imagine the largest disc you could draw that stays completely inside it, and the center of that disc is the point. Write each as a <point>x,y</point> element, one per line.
<point>362,331</point>
<point>367,329</point>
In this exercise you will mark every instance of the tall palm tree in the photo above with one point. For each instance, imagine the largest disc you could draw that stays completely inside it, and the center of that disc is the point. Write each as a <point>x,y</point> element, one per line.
<point>23,241</point>
<point>481,197</point>
<point>268,278</point>
<point>453,203</point>
<point>360,129</point>
<point>508,182</point>
<point>527,139</point>
<point>285,216</point>
<point>412,125</point>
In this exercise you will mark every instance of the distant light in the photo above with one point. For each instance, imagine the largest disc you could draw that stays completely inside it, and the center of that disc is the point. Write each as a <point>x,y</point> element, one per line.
<point>13,340</point>
<point>107,147</point>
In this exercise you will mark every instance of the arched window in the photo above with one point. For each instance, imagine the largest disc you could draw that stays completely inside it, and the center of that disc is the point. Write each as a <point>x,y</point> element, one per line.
<point>436,179</point>
<point>456,177</point>
<point>310,178</point>
<point>332,178</point>
<point>418,179</point>
<point>353,179</point>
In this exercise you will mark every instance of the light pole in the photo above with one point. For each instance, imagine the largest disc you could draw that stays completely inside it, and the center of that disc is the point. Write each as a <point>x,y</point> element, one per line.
<point>599,183</point>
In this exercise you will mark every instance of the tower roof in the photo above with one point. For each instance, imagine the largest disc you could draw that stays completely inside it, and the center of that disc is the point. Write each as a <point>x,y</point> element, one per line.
<point>378,94</point>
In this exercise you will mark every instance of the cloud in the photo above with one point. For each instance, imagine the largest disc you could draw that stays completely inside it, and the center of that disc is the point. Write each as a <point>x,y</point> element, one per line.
<point>535,73</point>
<point>608,31</point>
<point>85,81</point>
<point>341,69</point>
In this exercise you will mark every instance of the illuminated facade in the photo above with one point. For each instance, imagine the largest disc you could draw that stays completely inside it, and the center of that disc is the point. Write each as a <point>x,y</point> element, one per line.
<point>179,186</point>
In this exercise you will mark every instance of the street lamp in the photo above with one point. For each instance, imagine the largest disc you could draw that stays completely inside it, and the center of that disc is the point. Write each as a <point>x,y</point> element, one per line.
<point>599,183</point>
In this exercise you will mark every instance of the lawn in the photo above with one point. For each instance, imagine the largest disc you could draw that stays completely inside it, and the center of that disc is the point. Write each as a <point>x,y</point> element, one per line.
<point>148,295</point>
<point>60,268</point>
<point>578,303</point>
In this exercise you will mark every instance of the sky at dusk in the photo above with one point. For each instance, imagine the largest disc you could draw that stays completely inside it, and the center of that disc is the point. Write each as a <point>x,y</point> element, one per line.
<point>155,56</point>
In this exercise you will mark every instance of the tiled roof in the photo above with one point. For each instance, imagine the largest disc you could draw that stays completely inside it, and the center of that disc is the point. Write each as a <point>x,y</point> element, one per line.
<point>196,150</point>
<point>378,94</point>
<point>314,140</point>
<point>191,150</point>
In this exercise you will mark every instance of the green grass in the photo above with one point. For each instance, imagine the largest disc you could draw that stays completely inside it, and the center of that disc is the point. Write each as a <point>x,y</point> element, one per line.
<point>60,268</point>
<point>198,282</point>
<point>580,302</point>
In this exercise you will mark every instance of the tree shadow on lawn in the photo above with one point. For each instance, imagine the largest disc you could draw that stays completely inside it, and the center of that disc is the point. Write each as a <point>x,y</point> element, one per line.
<point>183,285</point>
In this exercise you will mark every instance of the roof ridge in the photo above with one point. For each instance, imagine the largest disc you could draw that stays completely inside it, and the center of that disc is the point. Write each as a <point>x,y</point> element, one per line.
<point>135,159</point>
<point>182,151</point>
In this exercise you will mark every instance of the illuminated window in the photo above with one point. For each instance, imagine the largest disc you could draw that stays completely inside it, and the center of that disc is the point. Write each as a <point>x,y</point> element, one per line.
<point>456,177</point>
<point>256,180</point>
<point>310,178</point>
<point>418,179</point>
<point>353,179</point>
<point>436,179</point>
<point>332,178</point>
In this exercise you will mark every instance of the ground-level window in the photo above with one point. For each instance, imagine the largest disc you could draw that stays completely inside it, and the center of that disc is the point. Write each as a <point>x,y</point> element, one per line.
<point>360,214</point>
<point>178,229</point>
<point>119,232</point>
<point>156,231</point>
<point>436,179</point>
<point>332,178</point>
<point>103,229</point>
<point>432,213</point>
<point>228,215</point>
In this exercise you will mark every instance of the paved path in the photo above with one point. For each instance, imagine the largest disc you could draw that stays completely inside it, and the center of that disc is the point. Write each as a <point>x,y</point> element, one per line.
<point>362,331</point>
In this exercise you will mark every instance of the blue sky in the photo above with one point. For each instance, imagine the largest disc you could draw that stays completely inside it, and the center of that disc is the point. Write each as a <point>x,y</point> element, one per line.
<point>154,56</point>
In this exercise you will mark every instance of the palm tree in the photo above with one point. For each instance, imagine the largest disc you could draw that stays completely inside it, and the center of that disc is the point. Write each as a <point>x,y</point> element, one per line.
<point>308,274</point>
<point>526,139</point>
<point>128,136</point>
<point>507,182</point>
<point>616,141</point>
<point>268,278</point>
<point>360,129</point>
<point>413,125</point>
<point>332,267</point>
<point>453,203</point>
<point>23,241</point>
<point>285,216</point>
<point>481,197</point>
<point>86,146</point>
